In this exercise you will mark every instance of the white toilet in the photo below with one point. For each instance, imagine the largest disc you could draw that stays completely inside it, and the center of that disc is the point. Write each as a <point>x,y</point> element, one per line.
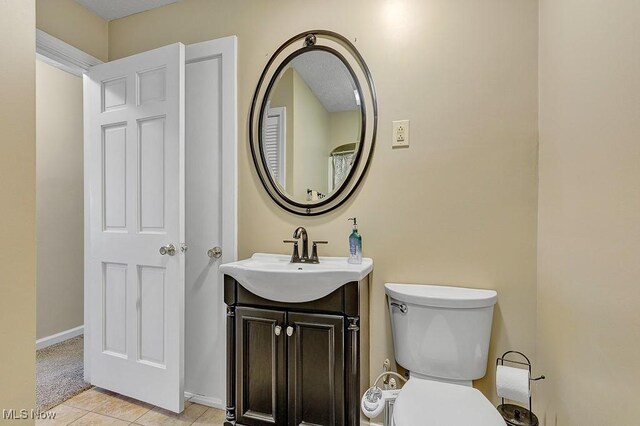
<point>441,335</point>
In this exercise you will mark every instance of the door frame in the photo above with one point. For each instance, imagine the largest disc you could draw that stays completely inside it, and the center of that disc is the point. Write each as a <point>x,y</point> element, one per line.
<point>226,48</point>
<point>62,55</point>
<point>70,59</point>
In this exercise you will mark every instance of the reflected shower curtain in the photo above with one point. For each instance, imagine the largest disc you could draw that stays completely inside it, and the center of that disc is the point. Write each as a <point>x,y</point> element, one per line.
<point>342,163</point>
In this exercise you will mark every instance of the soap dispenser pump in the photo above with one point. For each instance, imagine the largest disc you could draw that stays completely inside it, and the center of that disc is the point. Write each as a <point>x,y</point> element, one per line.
<point>355,244</point>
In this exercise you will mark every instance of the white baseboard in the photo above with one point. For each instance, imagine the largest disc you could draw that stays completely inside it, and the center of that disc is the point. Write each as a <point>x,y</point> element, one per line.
<point>205,400</point>
<point>59,337</point>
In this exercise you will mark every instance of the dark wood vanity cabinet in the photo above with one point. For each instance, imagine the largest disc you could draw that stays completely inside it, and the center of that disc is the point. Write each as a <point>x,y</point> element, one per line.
<point>315,367</point>
<point>295,363</point>
<point>260,366</point>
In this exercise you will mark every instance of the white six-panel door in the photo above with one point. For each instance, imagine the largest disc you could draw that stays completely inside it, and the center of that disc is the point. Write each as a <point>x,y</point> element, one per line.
<point>135,178</point>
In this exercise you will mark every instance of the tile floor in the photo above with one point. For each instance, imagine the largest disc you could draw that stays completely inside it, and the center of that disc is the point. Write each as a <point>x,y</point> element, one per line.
<point>97,406</point>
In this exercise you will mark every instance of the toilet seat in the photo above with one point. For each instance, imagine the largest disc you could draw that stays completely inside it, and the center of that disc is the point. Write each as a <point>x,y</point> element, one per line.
<point>425,402</point>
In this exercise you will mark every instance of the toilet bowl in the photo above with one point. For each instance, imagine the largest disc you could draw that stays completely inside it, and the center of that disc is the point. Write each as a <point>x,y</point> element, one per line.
<point>441,335</point>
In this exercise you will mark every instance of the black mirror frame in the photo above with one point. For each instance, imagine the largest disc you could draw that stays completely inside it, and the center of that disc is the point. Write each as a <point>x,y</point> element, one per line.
<point>368,102</point>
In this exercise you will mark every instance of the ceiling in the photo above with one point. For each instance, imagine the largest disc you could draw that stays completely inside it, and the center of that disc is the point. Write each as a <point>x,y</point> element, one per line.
<point>115,9</point>
<point>328,78</point>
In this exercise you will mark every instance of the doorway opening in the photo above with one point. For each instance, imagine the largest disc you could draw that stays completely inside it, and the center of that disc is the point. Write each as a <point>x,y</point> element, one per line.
<point>83,314</point>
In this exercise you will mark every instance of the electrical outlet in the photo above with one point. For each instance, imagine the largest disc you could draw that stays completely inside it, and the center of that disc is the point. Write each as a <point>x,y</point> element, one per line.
<point>400,134</point>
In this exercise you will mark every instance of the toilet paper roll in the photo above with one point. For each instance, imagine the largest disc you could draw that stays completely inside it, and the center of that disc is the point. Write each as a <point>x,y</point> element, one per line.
<point>513,383</point>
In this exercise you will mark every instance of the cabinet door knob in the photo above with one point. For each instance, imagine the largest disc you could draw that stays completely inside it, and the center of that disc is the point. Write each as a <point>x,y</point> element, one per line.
<point>289,331</point>
<point>278,330</point>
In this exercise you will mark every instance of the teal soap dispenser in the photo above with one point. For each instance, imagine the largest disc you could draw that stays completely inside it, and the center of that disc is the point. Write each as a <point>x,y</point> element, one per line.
<point>355,244</point>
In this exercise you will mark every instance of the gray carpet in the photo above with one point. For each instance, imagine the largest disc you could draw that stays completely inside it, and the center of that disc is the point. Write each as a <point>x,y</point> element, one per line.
<point>59,371</point>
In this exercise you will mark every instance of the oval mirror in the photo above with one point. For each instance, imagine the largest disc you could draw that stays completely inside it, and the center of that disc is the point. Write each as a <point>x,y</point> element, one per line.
<point>313,123</point>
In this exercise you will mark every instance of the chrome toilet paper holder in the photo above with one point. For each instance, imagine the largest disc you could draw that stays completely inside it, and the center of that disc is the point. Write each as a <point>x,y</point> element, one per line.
<point>510,411</point>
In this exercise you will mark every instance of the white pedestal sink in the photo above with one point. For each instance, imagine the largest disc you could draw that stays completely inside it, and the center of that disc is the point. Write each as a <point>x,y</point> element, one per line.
<point>274,277</point>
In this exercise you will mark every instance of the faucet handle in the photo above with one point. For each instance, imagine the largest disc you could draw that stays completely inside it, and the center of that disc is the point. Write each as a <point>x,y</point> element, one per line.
<point>314,251</point>
<point>295,256</point>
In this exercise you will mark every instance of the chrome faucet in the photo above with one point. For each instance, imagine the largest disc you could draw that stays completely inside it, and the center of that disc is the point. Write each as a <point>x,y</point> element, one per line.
<point>301,232</point>
<point>295,256</point>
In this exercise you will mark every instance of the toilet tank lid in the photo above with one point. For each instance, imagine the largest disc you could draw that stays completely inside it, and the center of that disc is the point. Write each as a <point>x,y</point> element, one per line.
<point>441,296</point>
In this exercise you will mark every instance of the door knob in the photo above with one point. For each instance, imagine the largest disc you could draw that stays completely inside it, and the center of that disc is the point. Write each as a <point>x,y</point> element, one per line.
<point>215,252</point>
<point>170,250</point>
<point>278,330</point>
<point>289,331</point>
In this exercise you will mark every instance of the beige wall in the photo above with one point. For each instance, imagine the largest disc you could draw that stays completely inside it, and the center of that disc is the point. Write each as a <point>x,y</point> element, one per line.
<point>311,146</point>
<point>344,128</point>
<point>59,200</point>
<point>589,206</point>
<point>72,23</point>
<point>17,206</point>
<point>459,206</point>
<point>60,177</point>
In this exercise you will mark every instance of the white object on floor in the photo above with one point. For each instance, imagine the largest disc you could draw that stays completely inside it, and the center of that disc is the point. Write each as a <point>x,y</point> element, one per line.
<point>513,383</point>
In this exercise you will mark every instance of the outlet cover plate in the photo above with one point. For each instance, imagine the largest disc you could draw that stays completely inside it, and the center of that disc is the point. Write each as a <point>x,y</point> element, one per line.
<point>400,134</point>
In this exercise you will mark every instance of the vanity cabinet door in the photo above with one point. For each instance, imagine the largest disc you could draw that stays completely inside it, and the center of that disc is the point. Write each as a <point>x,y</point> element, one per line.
<point>315,364</point>
<point>260,367</point>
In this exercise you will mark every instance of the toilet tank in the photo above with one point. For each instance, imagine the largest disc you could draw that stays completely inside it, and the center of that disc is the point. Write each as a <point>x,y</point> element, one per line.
<point>441,332</point>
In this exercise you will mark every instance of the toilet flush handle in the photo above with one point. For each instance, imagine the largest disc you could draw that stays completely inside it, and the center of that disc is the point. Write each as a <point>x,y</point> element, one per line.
<point>403,308</point>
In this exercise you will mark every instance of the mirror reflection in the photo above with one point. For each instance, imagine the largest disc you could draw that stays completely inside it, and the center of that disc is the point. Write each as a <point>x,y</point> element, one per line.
<point>311,126</point>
